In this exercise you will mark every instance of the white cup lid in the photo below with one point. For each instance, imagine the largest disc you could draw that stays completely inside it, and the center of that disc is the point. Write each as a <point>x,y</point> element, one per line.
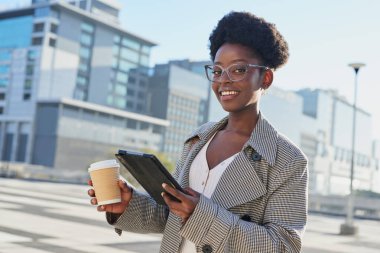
<point>103,164</point>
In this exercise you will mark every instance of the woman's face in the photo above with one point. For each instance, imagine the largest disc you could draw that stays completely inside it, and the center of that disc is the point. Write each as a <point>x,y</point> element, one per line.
<point>236,96</point>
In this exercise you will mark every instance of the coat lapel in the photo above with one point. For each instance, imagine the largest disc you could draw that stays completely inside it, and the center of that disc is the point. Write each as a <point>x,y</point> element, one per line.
<point>239,183</point>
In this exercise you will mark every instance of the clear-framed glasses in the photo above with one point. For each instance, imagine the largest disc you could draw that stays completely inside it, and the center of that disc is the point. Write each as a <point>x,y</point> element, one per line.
<point>235,72</point>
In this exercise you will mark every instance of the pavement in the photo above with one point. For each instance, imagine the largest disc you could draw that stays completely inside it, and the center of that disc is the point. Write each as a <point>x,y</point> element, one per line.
<point>41,217</point>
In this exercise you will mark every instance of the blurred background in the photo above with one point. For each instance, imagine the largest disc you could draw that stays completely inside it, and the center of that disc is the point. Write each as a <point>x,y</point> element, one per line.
<point>81,79</point>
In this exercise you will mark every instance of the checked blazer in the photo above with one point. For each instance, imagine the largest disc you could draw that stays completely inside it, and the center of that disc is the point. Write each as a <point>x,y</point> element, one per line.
<point>259,204</point>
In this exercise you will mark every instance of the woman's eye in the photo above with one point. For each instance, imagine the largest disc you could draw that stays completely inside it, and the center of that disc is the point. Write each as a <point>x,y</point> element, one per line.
<point>239,70</point>
<point>216,72</point>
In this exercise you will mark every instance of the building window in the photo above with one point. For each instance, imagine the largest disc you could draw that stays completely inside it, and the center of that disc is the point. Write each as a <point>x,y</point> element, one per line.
<point>145,49</point>
<point>4,69</point>
<point>1,110</point>
<point>116,39</point>
<point>32,55</point>
<point>129,54</point>
<point>87,27</point>
<point>27,84</point>
<point>5,55</point>
<point>86,39</point>
<point>4,82</point>
<point>85,52</point>
<point>36,41</point>
<point>2,96</point>
<point>39,27</point>
<point>82,81</point>
<point>52,42</point>
<point>120,90</point>
<point>53,28</point>
<point>26,96</point>
<point>29,69</point>
<point>130,43</point>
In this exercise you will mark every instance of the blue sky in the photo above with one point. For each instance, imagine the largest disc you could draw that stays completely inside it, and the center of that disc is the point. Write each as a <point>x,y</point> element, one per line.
<point>324,36</point>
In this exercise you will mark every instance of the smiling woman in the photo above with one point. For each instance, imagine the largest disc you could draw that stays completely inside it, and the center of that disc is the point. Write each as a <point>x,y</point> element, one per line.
<point>246,184</point>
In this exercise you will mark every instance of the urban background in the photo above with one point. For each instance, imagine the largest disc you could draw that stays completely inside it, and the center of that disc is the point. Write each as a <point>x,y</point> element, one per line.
<point>76,86</point>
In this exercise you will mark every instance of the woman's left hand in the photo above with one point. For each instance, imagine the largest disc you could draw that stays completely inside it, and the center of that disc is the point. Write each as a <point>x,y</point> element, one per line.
<point>186,207</point>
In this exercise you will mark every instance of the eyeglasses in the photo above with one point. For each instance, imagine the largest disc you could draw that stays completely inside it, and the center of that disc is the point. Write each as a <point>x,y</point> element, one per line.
<point>235,72</point>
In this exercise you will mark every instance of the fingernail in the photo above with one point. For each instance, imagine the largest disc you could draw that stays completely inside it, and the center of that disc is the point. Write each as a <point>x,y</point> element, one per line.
<point>162,194</point>
<point>163,185</point>
<point>102,207</point>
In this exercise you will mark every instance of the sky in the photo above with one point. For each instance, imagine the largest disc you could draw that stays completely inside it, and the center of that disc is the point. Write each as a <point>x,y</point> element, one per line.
<point>324,36</point>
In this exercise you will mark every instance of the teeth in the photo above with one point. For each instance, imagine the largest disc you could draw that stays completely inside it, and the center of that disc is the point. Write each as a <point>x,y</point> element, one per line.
<point>226,93</point>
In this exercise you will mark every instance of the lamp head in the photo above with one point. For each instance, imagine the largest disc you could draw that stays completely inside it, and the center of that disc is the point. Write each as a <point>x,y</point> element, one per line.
<point>356,66</point>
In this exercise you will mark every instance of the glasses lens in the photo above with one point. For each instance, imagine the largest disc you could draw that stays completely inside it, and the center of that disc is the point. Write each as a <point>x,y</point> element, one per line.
<point>237,72</point>
<point>213,72</point>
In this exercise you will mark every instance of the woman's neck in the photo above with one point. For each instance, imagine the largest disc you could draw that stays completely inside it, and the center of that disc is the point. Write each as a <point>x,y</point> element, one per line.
<point>242,122</point>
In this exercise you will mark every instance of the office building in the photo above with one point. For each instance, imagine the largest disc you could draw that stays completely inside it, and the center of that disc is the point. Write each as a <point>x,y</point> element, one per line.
<point>53,50</point>
<point>179,94</point>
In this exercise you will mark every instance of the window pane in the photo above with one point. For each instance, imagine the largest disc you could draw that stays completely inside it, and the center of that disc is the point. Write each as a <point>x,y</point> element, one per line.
<point>130,43</point>
<point>126,66</point>
<point>5,55</point>
<point>129,54</point>
<point>86,39</point>
<point>121,77</point>
<point>39,27</point>
<point>4,82</point>
<point>81,81</point>
<point>53,28</point>
<point>120,90</point>
<point>4,69</point>
<point>16,32</point>
<point>145,49</point>
<point>87,27</point>
<point>52,42</point>
<point>119,102</point>
<point>84,52</point>
<point>144,60</point>
<point>37,41</point>
<point>116,39</point>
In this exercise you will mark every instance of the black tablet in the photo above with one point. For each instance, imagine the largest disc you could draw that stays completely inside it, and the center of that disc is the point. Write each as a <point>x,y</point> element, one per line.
<point>149,172</point>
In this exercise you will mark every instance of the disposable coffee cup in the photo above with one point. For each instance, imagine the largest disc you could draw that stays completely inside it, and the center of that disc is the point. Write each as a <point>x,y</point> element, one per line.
<point>105,176</point>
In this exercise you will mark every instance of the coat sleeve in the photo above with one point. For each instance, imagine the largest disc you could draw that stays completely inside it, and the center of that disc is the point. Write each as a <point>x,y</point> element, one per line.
<point>283,224</point>
<point>143,215</point>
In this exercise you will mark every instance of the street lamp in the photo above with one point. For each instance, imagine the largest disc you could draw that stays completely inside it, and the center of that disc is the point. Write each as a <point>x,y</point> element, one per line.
<point>348,227</point>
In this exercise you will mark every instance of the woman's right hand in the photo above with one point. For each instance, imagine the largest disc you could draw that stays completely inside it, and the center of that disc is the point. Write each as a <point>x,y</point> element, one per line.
<point>117,208</point>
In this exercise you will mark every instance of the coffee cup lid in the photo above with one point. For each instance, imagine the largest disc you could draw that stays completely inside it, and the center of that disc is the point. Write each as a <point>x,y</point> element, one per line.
<point>103,164</point>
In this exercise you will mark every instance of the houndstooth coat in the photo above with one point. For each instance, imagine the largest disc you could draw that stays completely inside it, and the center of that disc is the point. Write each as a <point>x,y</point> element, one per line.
<point>259,204</point>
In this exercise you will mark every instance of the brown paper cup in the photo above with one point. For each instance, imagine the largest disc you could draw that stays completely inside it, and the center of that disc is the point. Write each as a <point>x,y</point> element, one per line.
<point>105,176</point>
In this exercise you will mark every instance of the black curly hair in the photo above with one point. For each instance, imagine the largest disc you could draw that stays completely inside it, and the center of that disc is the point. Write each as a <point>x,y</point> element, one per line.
<point>253,32</point>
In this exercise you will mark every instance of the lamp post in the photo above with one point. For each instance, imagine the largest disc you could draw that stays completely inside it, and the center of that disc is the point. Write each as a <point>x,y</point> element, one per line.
<point>348,227</point>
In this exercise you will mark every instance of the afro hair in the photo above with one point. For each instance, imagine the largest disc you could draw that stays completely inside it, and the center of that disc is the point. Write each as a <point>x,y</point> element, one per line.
<point>253,32</point>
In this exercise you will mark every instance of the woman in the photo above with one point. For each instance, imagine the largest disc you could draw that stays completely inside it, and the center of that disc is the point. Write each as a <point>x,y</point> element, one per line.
<point>246,183</point>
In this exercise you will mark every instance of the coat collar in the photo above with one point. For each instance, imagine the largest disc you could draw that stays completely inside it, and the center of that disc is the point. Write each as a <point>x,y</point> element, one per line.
<point>263,138</point>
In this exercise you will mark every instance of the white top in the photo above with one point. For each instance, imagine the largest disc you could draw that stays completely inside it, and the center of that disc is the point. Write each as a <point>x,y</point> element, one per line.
<point>204,181</point>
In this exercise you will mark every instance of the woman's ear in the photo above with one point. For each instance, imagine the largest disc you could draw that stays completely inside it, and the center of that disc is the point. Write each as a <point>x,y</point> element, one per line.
<point>267,78</point>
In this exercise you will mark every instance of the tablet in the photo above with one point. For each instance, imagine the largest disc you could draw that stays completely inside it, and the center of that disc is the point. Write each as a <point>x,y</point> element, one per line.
<point>149,172</point>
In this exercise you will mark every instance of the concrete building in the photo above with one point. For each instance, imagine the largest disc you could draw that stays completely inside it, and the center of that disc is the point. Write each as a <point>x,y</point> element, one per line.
<point>67,49</point>
<point>180,95</point>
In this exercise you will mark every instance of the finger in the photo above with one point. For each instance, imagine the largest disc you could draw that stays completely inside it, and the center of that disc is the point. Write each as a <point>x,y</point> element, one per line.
<point>94,201</point>
<point>91,193</point>
<point>89,182</point>
<point>101,208</point>
<point>174,192</point>
<point>173,205</point>
<point>191,192</point>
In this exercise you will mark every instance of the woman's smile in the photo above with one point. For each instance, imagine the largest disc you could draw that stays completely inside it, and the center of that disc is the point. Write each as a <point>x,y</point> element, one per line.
<point>228,94</point>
